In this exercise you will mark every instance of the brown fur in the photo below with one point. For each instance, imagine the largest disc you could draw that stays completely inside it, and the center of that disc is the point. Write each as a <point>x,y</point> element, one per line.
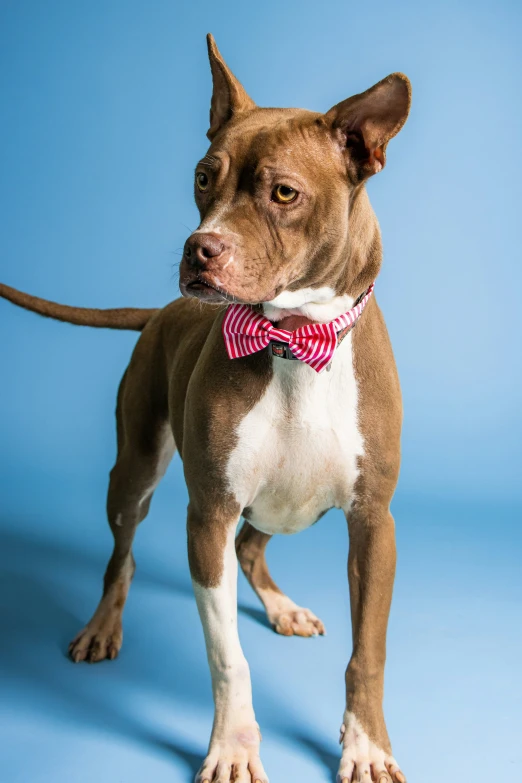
<point>284,615</point>
<point>180,382</point>
<point>133,318</point>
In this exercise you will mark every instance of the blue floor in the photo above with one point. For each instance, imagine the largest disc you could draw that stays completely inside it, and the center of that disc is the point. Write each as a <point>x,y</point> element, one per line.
<point>454,687</point>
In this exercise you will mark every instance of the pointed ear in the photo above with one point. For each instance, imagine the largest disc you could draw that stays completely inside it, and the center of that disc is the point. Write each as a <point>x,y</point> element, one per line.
<point>228,96</point>
<point>365,123</point>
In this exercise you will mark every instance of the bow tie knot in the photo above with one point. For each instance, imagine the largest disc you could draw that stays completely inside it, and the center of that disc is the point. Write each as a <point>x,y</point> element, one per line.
<point>246,332</point>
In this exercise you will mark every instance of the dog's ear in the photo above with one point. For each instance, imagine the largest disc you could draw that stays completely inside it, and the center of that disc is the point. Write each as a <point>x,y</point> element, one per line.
<point>365,123</point>
<point>228,96</point>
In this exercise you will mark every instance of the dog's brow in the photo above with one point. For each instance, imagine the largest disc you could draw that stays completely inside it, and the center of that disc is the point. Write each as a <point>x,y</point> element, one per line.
<point>209,161</point>
<point>276,169</point>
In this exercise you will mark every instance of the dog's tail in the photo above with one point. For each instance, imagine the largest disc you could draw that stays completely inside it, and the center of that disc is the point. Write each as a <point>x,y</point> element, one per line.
<point>115,318</point>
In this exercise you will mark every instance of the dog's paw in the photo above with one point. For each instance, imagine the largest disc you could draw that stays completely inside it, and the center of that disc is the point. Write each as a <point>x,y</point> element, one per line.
<point>296,622</point>
<point>363,761</point>
<point>235,758</point>
<point>97,641</point>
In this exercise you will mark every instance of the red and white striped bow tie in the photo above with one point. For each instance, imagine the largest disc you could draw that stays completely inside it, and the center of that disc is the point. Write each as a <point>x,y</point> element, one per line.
<point>246,332</point>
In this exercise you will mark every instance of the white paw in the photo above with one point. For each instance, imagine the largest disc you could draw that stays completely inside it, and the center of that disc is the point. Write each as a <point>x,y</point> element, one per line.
<point>234,759</point>
<point>362,760</point>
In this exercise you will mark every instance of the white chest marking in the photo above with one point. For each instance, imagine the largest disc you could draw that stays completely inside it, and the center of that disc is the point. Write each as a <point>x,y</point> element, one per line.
<point>318,304</point>
<point>297,449</point>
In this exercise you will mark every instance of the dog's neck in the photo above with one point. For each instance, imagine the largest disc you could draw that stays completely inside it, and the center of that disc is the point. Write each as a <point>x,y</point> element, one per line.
<point>290,310</point>
<point>358,267</point>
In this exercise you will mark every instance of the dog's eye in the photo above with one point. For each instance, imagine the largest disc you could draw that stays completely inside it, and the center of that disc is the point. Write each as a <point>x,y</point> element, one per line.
<point>202,181</point>
<point>284,194</point>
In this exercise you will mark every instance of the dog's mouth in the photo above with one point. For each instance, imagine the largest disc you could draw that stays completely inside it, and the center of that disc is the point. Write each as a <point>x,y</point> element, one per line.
<point>202,289</point>
<point>199,286</point>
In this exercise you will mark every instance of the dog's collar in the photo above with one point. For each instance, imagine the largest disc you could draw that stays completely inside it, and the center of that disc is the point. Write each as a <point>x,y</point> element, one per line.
<point>246,331</point>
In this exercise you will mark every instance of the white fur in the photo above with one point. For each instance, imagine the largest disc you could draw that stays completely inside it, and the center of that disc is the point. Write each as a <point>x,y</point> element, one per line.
<point>228,666</point>
<point>317,304</point>
<point>361,753</point>
<point>297,449</point>
<point>234,743</point>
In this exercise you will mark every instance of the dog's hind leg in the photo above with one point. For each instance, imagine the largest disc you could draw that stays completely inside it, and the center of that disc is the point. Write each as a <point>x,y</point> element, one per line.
<point>285,617</point>
<point>145,448</point>
<point>133,480</point>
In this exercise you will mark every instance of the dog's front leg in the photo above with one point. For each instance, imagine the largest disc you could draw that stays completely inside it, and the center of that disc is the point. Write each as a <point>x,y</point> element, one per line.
<point>233,753</point>
<point>371,570</point>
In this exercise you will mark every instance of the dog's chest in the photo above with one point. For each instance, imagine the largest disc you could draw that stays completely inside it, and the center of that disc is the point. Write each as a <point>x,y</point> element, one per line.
<point>297,449</point>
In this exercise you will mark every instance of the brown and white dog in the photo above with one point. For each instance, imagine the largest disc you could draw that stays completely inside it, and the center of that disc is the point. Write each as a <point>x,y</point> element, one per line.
<point>287,227</point>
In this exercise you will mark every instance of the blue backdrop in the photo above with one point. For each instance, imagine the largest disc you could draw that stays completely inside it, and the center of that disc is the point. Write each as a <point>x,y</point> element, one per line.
<point>104,111</point>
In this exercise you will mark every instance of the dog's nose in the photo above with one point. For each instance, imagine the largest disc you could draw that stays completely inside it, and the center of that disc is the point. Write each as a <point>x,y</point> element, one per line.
<point>200,248</point>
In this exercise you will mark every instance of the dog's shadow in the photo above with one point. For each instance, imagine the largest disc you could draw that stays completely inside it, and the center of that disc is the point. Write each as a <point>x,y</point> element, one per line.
<point>38,624</point>
<point>314,747</point>
<point>257,615</point>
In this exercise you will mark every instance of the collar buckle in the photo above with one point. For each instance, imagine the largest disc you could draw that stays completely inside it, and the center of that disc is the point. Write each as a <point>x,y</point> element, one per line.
<point>281,350</point>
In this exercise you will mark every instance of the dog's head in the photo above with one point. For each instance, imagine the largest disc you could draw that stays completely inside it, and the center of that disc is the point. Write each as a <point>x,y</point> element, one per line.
<point>275,194</point>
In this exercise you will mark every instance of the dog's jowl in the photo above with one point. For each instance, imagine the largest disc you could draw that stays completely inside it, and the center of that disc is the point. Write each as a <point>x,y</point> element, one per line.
<point>282,399</point>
